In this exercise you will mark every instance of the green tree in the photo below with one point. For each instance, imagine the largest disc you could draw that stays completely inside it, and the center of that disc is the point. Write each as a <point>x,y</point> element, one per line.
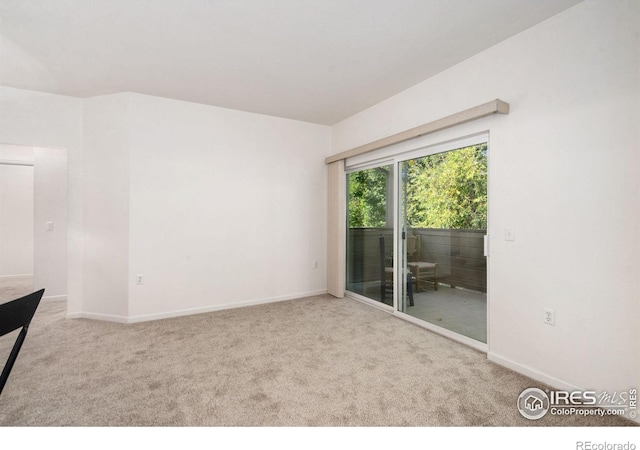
<point>367,202</point>
<point>444,190</point>
<point>448,190</point>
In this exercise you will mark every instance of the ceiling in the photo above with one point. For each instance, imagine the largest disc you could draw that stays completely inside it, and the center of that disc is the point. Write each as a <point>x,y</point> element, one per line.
<point>318,61</point>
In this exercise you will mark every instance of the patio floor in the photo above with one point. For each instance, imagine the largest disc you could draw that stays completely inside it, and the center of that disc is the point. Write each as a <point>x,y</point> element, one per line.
<point>462,311</point>
<point>459,310</point>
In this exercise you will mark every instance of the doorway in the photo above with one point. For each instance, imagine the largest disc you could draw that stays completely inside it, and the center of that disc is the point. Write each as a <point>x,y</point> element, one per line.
<point>34,222</point>
<point>16,227</point>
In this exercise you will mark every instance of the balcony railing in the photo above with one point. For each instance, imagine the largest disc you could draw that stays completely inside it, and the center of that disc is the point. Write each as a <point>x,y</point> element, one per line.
<point>458,253</point>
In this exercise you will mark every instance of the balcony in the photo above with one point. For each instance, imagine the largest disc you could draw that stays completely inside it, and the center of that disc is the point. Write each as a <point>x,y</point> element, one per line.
<point>458,304</point>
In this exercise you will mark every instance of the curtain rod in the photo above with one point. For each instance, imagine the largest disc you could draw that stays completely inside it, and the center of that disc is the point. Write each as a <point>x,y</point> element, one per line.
<point>486,109</point>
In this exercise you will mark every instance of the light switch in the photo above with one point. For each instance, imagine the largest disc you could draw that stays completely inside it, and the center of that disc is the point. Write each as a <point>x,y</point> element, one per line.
<point>509,234</point>
<point>49,226</point>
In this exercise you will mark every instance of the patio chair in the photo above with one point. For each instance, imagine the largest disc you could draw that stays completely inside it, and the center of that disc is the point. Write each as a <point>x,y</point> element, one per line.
<point>423,271</point>
<point>14,315</point>
<point>387,275</point>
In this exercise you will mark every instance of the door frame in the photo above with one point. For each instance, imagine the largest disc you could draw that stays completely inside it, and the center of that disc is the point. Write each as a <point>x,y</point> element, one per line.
<point>395,155</point>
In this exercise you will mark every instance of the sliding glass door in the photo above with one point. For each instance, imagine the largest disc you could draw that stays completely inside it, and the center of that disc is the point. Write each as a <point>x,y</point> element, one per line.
<point>416,227</point>
<point>443,214</point>
<point>370,219</point>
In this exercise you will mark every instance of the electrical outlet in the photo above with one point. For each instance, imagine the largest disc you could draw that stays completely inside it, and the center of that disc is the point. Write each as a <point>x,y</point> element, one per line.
<point>549,316</point>
<point>315,264</point>
<point>139,279</point>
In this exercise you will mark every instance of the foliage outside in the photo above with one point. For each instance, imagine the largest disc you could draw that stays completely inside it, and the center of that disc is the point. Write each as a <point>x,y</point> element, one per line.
<point>444,190</point>
<point>367,202</point>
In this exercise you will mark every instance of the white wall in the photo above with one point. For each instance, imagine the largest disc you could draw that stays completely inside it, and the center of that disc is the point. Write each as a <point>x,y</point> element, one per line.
<point>50,205</point>
<point>227,208</point>
<point>106,207</point>
<point>565,174</point>
<point>215,208</point>
<point>36,119</point>
<point>16,212</point>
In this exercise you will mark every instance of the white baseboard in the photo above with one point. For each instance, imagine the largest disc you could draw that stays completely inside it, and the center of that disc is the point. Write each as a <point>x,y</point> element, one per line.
<point>190,311</point>
<point>17,276</point>
<point>96,316</point>
<point>530,372</point>
<point>205,309</point>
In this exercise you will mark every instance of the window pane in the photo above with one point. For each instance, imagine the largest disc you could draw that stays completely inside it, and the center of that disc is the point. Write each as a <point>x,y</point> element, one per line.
<point>370,232</point>
<point>444,216</point>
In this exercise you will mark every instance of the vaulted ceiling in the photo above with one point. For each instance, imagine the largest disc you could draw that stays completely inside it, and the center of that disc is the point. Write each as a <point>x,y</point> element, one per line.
<point>313,60</point>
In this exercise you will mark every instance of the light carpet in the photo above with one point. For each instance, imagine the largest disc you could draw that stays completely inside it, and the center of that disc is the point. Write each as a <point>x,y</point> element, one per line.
<point>317,361</point>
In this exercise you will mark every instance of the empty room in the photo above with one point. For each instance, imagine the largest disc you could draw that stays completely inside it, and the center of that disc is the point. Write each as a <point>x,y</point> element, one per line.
<point>362,213</point>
